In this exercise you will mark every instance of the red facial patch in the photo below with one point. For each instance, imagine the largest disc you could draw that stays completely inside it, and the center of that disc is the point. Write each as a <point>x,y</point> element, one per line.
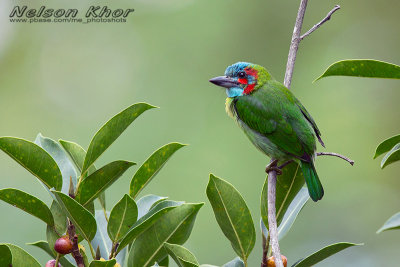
<point>242,81</point>
<point>250,87</point>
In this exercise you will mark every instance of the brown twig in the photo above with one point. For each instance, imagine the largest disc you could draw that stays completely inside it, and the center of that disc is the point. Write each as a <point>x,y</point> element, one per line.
<point>75,249</point>
<point>333,154</point>
<point>319,24</point>
<point>265,244</point>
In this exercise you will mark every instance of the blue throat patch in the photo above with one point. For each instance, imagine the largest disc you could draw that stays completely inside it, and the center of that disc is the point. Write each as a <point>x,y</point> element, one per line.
<point>234,91</point>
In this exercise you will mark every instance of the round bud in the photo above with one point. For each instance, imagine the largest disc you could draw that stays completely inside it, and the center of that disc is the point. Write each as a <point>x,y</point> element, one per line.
<point>63,245</point>
<point>51,263</point>
<point>271,261</point>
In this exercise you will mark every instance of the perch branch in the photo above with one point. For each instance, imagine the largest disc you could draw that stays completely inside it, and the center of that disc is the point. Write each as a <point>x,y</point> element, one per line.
<point>319,24</point>
<point>75,249</point>
<point>294,46</point>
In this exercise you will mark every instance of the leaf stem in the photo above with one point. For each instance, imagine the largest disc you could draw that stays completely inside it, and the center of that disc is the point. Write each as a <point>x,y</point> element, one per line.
<point>57,259</point>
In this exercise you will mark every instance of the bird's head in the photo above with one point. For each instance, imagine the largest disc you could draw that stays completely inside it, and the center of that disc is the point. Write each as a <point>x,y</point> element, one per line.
<point>242,78</point>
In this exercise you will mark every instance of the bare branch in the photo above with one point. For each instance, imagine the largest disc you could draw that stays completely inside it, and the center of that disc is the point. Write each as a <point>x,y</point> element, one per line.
<point>294,45</point>
<point>319,24</point>
<point>333,154</point>
<point>75,249</point>
<point>273,228</point>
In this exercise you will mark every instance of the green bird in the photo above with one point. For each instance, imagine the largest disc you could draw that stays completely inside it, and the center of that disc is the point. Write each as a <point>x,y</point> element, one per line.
<point>273,119</point>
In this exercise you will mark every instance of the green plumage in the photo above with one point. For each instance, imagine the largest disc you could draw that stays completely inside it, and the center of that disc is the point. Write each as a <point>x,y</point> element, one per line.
<point>274,120</point>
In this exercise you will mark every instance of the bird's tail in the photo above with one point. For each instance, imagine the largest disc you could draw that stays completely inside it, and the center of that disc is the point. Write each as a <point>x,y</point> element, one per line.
<point>314,185</point>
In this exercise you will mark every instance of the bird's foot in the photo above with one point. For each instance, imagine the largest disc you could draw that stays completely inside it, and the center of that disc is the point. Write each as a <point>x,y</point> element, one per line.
<point>273,166</point>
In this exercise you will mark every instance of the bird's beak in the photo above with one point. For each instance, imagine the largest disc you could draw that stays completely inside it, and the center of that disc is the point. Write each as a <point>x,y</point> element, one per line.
<point>224,81</point>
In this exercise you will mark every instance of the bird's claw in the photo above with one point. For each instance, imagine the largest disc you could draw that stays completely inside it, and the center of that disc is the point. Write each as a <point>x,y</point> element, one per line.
<point>273,167</point>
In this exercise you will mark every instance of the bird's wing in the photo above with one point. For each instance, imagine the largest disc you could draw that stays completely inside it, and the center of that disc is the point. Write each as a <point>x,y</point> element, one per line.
<point>262,118</point>
<point>311,121</point>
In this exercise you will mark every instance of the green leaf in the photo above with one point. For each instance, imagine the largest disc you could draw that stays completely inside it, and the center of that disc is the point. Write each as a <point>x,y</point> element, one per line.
<point>387,145</point>
<point>145,203</point>
<point>102,240</point>
<point>236,262</point>
<point>182,256</point>
<point>5,256</point>
<point>109,263</point>
<point>146,221</point>
<point>392,156</point>
<point>111,131</point>
<point>20,257</point>
<point>81,217</point>
<point>27,203</point>
<point>77,154</point>
<point>122,217</point>
<point>164,262</point>
<point>97,182</point>
<point>367,68</point>
<point>287,187</point>
<point>323,253</point>
<point>60,222</point>
<point>391,224</point>
<point>33,158</point>
<point>45,247</point>
<point>291,214</point>
<point>174,227</point>
<point>61,158</point>
<point>151,167</point>
<point>233,215</point>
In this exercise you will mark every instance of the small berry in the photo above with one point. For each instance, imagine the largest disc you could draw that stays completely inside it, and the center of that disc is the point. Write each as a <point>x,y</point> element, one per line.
<point>271,261</point>
<point>51,263</point>
<point>63,245</point>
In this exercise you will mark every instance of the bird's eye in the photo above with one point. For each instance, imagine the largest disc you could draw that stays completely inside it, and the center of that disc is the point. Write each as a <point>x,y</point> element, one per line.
<point>242,74</point>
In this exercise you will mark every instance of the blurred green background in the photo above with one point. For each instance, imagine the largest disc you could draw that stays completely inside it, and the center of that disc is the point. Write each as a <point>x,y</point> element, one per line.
<point>66,80</point>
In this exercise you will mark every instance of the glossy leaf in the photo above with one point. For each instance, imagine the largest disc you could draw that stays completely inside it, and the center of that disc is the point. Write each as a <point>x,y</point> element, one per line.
<point>27,203</point>
<point>20,257</point>
<point>174,227</point>
<point>111,131</point>
<point>146,221</point>
<point>324,253</point>
<point>33,158</point>
<point>233,215</point>
<point>236,262</point>
<point>287,187</point>
<point>61,158</point>
<point>387,145</point>
<point>122,217</point>
<point>182,256</point>
<point>98,263</point>
<point>291,214</point>
<point>5,256</point>
<point>102,240</point>
<point>367,68</point>
<point>164,262</point>
<point>45,247</point>
<point>151,167</point>
<point>392,156</point>
<point>100,180</point>
<point>391,224</point>
<point>60,225</point>
<point>82,219</point>
<point>77,154</point>
<point>145,203</point>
